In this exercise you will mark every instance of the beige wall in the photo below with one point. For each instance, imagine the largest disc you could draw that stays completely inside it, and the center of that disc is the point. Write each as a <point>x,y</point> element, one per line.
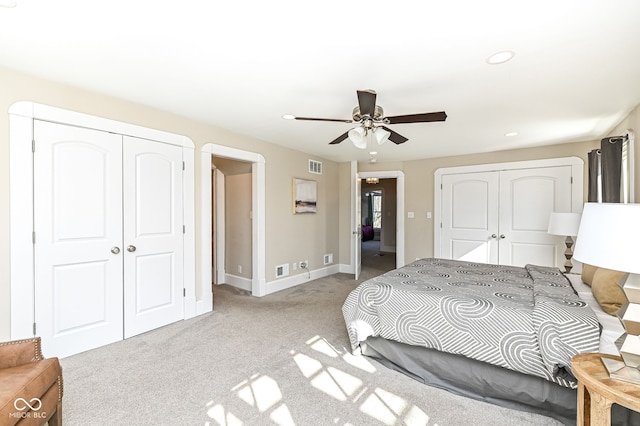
<point>288,238</point>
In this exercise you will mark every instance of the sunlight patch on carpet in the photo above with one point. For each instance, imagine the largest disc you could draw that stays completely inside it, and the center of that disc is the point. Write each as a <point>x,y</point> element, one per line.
<point>261,392</point>
<point>222,417</point>
<point>321,345</point>
<point>392,409</point>
<point>332,381</point>
<point>282,416</point>
<point>359,362</point>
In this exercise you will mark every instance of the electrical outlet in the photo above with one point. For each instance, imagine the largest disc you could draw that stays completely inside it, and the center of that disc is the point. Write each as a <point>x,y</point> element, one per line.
<point>295,266</point>
<point>304,264</point>
<point>239,269</point>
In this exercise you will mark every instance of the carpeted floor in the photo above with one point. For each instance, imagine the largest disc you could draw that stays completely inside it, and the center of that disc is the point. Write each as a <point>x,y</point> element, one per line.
<point>282,359</point>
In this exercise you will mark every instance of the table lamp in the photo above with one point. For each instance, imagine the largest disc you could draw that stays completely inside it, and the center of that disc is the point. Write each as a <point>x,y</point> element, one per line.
<point>565,224</point>
<point>609,237</point>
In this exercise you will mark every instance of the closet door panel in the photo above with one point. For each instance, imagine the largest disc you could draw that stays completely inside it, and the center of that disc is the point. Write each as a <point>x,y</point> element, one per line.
<point>153,235</point>
<point>78,222</point>
<point>527,198</point>
<point>470,217</point>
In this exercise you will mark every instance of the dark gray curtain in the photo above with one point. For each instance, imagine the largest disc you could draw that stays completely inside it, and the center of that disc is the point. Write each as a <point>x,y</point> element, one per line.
<point>611,163</point>
<point>594,172</point>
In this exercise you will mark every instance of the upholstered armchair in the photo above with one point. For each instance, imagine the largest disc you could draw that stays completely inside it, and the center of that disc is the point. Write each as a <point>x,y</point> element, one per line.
<point>30,385</point>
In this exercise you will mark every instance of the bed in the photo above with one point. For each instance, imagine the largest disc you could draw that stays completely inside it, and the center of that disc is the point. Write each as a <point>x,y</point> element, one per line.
<point>501,334</point>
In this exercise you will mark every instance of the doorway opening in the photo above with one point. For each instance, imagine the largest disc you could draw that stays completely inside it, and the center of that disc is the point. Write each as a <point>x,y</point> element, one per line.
<point>382,204</point>
<point>231,222</point>
<point>256,280</point>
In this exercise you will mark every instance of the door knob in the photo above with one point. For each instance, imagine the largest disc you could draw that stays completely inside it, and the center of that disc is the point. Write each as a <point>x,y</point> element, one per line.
<point>494,236</point>
<point>115,250</point>
<point>131,249</point>
<point>502,236</point>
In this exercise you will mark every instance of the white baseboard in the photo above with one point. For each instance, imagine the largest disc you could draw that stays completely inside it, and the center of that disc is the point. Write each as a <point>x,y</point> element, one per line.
<point>238,282</point>
<point>292,281</point>
<point>345,269</point>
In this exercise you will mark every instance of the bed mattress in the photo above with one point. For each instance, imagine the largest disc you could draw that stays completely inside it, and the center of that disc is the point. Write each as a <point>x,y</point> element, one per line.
<point>527,319</point>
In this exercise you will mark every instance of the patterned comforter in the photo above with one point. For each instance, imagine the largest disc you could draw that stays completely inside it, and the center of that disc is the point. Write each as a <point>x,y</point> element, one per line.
<point>526,319</point>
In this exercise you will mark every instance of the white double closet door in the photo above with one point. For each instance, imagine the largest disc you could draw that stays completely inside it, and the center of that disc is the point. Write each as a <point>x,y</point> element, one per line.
<point>108,236</point>
<point>501,217</point>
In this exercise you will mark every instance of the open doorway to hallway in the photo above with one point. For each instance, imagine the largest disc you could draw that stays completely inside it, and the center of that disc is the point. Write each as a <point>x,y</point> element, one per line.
<point>231,236</point>
<point>379,224</point>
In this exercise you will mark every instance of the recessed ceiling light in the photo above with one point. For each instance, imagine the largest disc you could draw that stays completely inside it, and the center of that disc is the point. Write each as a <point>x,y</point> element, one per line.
<point>511,134</point>
<point>500,57</point>
<point>289,117</point>
<point>373,153</point>
<point>8,3</point>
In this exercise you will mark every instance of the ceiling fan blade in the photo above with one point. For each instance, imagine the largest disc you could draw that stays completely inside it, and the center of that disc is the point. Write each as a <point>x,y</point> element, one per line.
<point>367,102</point>
<point>339,138</point>
<point>339,120</point>
<point>418,118</point>
<point>395,137</point>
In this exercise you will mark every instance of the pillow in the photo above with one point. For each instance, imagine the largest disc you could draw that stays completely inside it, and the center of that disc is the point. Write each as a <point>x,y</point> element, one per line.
<point>606,290</point>
<point>587,273</point>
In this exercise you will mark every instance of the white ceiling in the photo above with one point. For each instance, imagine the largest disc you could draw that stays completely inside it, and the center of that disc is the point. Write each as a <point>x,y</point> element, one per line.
<point>241,65</point>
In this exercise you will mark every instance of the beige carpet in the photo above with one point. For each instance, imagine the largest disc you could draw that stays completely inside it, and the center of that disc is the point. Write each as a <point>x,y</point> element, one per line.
<point>278,360</point>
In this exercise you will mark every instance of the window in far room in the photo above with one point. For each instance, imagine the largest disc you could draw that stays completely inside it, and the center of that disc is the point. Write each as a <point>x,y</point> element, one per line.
<point>376,204</point>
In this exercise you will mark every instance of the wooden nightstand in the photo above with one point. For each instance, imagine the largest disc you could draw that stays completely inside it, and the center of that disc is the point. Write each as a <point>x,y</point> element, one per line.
<point>597,391</point>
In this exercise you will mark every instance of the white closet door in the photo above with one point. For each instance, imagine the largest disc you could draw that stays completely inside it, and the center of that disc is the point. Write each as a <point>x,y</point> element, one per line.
<point>470,217</point>
<point>78,226</point>
<point>527,198</point>
<point>153,235</point>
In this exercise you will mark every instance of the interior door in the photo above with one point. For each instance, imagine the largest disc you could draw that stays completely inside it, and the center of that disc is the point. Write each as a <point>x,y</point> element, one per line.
<point>527,198</point>
<point>78,234</point>
<point>470,217</point>
<point>153,235</point>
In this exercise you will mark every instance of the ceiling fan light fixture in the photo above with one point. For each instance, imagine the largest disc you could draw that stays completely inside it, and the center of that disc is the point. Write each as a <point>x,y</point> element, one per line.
<point>381,135</point>
<point>358,136</point>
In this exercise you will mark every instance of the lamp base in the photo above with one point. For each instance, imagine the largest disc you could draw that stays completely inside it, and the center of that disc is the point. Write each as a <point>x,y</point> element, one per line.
<point>568,254</point>
<point>620,371</point>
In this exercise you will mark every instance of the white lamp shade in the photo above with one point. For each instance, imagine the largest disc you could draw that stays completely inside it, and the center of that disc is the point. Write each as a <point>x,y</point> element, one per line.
<point>565,224</point>
<point>609,236</point>
<point>381,135</point>
<point>358,137</point>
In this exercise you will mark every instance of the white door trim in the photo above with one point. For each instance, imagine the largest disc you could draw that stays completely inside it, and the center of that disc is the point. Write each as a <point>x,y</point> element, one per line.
<point>577,172</point>
<point>258,207</point>
<point>219,231</point>
<point>21,116</point>
<point>399,176</point>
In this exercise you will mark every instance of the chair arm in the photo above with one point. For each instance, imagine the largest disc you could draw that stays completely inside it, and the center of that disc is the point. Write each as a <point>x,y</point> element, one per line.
<point>19,352</point>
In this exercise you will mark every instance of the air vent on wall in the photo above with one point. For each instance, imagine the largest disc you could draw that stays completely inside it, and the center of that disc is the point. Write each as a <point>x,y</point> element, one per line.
<point>282,270</point>
<point>315,167</point>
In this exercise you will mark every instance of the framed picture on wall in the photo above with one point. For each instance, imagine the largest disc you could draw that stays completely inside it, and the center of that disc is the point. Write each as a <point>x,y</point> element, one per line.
<point>305,195</point>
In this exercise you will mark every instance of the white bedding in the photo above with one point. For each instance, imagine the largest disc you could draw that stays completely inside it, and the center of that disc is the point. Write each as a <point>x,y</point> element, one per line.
<point>611,326</point>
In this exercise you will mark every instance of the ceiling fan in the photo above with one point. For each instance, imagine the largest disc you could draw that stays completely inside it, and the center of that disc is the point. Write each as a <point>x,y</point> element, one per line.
<point>372,122</point>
